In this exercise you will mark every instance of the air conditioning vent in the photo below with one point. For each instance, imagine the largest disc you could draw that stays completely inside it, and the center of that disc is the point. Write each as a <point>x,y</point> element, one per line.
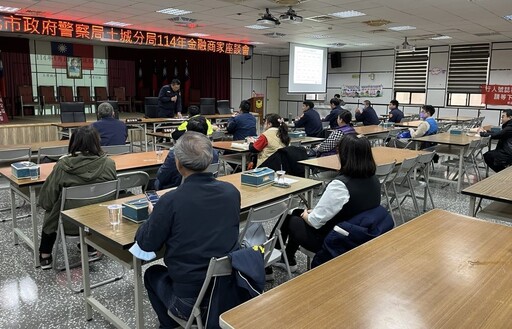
<point>275,35</point>
<point>320,19</point>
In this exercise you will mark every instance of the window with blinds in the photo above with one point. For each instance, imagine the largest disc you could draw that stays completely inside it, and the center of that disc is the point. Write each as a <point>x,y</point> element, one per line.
<point>468,68</point>
<point>411,70</point>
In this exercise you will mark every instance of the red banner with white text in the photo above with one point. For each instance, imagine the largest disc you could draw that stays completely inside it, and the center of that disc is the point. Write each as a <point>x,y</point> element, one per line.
<point>497,94</point>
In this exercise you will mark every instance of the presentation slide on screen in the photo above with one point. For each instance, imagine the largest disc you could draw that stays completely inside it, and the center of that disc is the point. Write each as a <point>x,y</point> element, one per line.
<point>308,69</point>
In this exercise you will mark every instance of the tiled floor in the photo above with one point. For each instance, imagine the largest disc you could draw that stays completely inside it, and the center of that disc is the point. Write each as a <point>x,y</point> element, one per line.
<point>33,298</point>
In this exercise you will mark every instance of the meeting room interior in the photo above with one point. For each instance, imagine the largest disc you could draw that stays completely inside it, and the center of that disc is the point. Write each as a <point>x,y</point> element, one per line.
<point>283,90</point>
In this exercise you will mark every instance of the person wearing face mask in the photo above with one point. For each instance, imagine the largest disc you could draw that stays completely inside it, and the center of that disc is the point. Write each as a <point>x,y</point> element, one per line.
<point>367,116</point>
<point>429,124</point>
<point>169,100</point>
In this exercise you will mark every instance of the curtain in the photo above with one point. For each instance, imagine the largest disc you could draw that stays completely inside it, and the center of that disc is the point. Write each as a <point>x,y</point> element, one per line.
<point>121,73</point>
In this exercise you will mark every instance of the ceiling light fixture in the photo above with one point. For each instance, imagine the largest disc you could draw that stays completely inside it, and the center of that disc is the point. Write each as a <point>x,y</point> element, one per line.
<point>441,37</point>
<point>9,9</point>
<point>402,28</point>
<point>508,17</point>
<point>117,24</point>
<point>174,11</point>
<point>348,14</point>
<point>256,43</point>
<point>257,27</point>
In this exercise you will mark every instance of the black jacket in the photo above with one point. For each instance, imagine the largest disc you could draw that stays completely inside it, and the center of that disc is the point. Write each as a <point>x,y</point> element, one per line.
<point>287,159</point>
<point>311,122</point>
<point>368,116</point>
<point>504,137</point>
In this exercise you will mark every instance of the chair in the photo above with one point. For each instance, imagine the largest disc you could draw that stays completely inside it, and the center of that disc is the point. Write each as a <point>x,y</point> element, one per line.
<point>223,107</point>
<point>469,160</point>
<point>135,179</point>
<point>217,267</point>
<point>443,127</point>
<point>400,186</point>
<point>116,149</point>
<point>194,97</point>
<point>207,106</point>
<point>151,107</point>
<point>74,197</point>
<point>100,94</point>
<point>65,93</point>
<point>72,112</point>
<point>83,94</point>
<point>122,99</point>
<point>10,156</point>
<point>52,153</point>
<point>47,94</point>
<point>479,155</point>
<point>27,99</point>
<point>383,173</point>
<point>272,212</point>
<point>422,178</point>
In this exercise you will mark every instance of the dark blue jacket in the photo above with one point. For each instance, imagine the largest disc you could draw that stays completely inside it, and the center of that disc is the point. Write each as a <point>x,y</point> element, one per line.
<point>397,115</point>
<point>241,126</point>
<point>168,175</point>
<point>332,117</point>
<point>111,130</point>
<point>166,107</point>
<point>197,221</point>
<point>361,228</point>
<point>368,116</point>
<point>311,123</point>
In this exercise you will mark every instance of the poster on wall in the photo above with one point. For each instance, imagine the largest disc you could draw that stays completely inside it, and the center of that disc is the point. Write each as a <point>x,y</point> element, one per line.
<point>361,91</point>
<point>74,67</point>
<point>497,94</point>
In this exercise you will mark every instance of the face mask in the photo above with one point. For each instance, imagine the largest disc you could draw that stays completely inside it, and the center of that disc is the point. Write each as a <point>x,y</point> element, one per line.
<point>423,115</point>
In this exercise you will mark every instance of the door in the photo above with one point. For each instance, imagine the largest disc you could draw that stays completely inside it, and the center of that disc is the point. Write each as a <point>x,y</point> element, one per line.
<point>272,96</point>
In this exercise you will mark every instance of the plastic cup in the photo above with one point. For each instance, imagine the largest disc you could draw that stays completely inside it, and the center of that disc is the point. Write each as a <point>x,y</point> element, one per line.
<point>114,215</point>
<point>34,172</point>
<point>159,155</point>
<point>280,176</point>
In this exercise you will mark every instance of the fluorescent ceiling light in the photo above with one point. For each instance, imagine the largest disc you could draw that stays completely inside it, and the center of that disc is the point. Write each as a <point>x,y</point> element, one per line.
<point>359,44</point>
<point>257,27</point>
<point>347,14</point>
<point>256,43</point>
<point>441,37</point>
<point>196,34</point>
<point>174,11</point>
<point>119,24</point>
<point>508,17</point>
<point>402,28</point>
<point>9,9</point>
<point>318,36</point>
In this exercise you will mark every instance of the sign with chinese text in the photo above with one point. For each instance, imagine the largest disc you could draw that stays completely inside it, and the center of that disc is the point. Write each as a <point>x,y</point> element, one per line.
<point>83,31</point>
<point>497,94</point>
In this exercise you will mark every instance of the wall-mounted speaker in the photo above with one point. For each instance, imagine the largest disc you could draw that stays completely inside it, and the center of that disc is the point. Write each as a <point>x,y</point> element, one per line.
<point>336,60</point>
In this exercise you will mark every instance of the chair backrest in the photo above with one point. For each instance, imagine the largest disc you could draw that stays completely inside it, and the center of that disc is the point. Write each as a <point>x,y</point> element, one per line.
<point>72,112</point>
<point>223,107</point>
<point>414,117</point>
<point>120,94</point>
<point>26,93</point>
<point>14,155</point>
<point>48,94</point>
<point>133,179</point>
<point>194,97</point>
<point>207,106</point>
<point>472,148</point>
<point>100,94</point>
<point>442,128</point>
<point>82,195</point>
<point>423,163</point>
<point>53,153</point>
<point>151,107</point>
<point>405,170</point>
<point>65,93</point>
<point>116,149</point>
<point>384,170</point>
<point>478,122</point>
<point>84,94</point>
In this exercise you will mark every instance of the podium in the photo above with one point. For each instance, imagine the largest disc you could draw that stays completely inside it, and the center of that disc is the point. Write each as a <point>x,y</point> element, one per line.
<point>257,106</point>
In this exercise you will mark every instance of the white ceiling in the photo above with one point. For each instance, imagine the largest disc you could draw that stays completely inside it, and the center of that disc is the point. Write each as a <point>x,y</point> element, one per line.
<point>466,21</point>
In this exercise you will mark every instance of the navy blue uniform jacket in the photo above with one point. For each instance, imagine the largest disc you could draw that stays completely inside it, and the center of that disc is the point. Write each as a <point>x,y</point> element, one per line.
<point>112,131</point>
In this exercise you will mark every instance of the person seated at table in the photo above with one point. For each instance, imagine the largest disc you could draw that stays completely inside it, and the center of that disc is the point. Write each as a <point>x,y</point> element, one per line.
<point>332,117</point>
<point>197,221</point>
<point>395,115</point>
<point>355,190</point>
<point>272,139</point>
<point>501,157</point>
<point>243,123</point>
<point>367,116</point>
<point>112,131</point>
<point>328,146</point>
<point>309,120</point>
<point>428,126</point>
<point>193,111</point>
<point>168,174</point>
<point>85,164</point>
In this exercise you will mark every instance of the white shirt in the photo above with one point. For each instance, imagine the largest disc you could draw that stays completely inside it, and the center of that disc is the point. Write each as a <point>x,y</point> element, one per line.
<point>332,201</point>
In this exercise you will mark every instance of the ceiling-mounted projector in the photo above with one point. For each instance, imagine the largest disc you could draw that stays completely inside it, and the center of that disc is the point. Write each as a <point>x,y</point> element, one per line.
<point>290,17</point>
<point>405,46</point>
<point>268,19</point>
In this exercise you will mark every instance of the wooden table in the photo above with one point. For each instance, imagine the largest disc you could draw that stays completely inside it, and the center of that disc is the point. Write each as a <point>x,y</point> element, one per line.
<point>124,162</point>
<point>36,145</point>
<point>440,270</point>
<point>409,124</point>
<point>459,142</point>
<point>457,119</point>
<point>497,187</point>
<point>371,130</point>
<point>94,220</point>
<point>382,155</point>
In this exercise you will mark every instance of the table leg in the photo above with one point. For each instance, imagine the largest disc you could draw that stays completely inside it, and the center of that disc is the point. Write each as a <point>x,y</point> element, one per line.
<point>13,215</point>
<point>306,171</point>
<point>244,162</point>
<point>460,178</point>
<point>146,136</point>
<point>85,274</point>
<point>138,288</point>
<point>472,210</point>
<point>35,235</point>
